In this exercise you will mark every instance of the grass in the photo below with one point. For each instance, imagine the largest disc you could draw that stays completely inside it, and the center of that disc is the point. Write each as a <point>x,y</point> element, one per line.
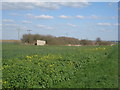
<point>59,66</point>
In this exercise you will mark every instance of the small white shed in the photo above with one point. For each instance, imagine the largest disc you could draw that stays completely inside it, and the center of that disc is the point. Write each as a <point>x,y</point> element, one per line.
<point>41,42</point>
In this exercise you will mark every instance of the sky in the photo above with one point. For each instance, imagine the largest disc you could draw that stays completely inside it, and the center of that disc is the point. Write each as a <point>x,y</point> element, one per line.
<point>81,20</point>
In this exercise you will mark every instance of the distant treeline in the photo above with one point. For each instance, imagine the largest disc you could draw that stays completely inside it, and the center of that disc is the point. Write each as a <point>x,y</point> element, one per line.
<point>52,40</point>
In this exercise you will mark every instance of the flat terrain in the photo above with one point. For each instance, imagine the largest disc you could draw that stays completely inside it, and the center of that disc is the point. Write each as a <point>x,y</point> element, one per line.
<point>26,66</point>
<point>10,41</point>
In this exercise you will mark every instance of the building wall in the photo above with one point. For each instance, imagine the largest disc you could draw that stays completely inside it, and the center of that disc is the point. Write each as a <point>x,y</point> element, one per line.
<point>41,42</point>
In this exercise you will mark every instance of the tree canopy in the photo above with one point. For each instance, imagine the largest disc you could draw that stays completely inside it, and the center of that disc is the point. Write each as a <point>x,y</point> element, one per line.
<point>52,40</point>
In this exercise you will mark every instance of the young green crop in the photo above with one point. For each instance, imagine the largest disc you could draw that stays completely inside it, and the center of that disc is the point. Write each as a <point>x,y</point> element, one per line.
<point>59,66</point>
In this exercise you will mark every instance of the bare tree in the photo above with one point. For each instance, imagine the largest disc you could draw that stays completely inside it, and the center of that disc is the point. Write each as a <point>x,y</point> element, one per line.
<point>98,41</point>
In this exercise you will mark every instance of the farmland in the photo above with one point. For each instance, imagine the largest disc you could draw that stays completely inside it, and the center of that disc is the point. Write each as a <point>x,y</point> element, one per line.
<point>25,66</point>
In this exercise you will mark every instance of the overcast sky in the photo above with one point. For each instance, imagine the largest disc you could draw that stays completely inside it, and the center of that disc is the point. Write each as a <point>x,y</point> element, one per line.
<point>87,20</point>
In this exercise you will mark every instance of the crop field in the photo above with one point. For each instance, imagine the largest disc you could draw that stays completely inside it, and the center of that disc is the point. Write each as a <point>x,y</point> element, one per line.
<point>25,66</point>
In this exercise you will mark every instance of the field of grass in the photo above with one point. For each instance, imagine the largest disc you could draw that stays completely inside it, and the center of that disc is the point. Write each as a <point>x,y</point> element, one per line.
<point>59,66</point>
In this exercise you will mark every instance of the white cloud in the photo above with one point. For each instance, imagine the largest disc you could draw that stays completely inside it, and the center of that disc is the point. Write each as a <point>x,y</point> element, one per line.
<point>14,14</point>
<point>108,24</point>
<point>10,25</point>
<point>8,21</point>
<point>110,4</point>
<point>64,17</point>
<point>103,30</point>
<point>44,27</point>
<point>80,17</point>
<point>26,22</point>
<point>72,25</point>
<point>104,24</point>
<point>61,1</point>
<point>102,17</point>
<point>21,1</point>
<point>24,27</point>
<point>89,17</point>
<point>41,26</point>
<point>44,17</point>
<point>14,26</point>
<point>29,15</point>
<point>29,0</point>
<point>47,5</point>
<point>94,17</point>
<point>39,17</point>
<point>114,17</point>
<point>75,4</point>
<point>41,5</point>
<point>116,24</point>
<point>29,6</point>
<point>17,6</point>
<point>77,16</point>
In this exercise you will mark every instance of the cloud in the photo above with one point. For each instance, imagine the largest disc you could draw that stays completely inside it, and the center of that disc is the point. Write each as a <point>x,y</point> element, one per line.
<point>60,1</point>
<point>72,25</point>
<point>29,0</point>
<point>80,17</point>
<point>108,24</point>
<point>110,4</point>
<point>41,5</point>
<point>114,17</point>
<point>41,0</point>
<point>39,17</point>
<point>54,0</point>
<point>29,6</point>
<point>26,22</point>
<point>14,26</point>
<point>29,15</point>
<point>47,5</point>
<point>116,24</point>
<point>102,17</point>
<point>64,17</point>
<point>44,27</point>
<point>21,1</point>
<point>24,27</point>
<point>94,17</point>
<point>17,6</point>
<point>8,21</point>
<point>75,4</point>
<point>41,26</point>
<point>14,14</point>
<point>44,17</point>
<point>10,25</point>
<point>104,24</point>
<point>105,30</point>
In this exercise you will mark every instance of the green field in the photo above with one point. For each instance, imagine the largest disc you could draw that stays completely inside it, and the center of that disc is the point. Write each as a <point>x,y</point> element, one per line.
<point>26,66</point>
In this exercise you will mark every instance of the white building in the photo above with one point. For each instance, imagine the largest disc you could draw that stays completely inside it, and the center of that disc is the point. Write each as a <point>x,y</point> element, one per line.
<point>40,42</point>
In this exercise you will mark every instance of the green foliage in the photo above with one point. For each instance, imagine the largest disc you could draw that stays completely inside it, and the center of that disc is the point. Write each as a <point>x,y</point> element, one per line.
<point>59,66</point>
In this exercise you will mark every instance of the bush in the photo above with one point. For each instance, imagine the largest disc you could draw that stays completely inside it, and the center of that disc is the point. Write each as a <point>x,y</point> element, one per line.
<point>105,43</point>
<point>86,42</point>
<point>50,40</point>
